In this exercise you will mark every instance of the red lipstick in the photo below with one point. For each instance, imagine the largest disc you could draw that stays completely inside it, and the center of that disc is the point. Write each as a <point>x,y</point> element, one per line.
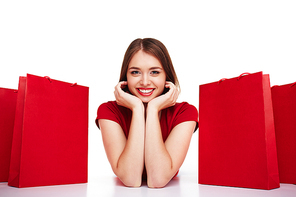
<point>145,91</point>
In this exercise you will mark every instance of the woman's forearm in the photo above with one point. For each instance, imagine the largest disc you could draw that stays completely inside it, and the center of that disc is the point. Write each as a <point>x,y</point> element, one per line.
<point>131,162</point>
<point>158,161</point>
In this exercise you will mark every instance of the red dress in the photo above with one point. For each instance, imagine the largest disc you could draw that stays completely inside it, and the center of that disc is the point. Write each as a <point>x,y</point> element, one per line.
<point>170,117</point>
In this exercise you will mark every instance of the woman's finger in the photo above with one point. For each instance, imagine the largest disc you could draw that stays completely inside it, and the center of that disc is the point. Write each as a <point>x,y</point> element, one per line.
<point>172,87</point>
<point>169,84</point>
<point>121,85</point>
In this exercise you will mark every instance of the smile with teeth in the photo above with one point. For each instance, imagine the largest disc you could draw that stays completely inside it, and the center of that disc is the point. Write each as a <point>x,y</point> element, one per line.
<point>145,91</point>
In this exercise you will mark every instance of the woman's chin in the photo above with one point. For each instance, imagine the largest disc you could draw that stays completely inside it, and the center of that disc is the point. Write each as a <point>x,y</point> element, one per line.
<point>146,100</point>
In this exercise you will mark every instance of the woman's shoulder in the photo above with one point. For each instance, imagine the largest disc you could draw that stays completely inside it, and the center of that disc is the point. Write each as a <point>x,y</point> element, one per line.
<point>108,104</point>
<point>112,111</point>
<point>182,112</point>
<point>183,106</point>
<point>111,106</point>
<point>184,103</point>
<point>182,109</point>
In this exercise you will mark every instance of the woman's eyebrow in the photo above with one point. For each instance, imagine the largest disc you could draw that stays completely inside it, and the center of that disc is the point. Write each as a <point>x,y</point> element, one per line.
<point>152,68</point>
<point>133,68</point>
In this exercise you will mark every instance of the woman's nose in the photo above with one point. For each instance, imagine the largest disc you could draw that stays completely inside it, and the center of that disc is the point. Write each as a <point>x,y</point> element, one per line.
<point>145,80</point>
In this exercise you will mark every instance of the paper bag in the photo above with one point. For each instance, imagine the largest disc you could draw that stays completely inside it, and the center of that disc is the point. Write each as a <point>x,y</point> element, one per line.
<point>236,134</point>
<point>284,106</point>
<point>50,137</point>
<point>7,113</point>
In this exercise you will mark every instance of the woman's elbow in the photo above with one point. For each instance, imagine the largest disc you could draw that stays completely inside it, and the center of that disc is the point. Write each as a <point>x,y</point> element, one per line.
<point>132,183</point>
<point>157,182</point>
<point>129,181</point>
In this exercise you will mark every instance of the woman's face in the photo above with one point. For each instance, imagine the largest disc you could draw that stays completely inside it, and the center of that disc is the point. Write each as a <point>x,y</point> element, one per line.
<point>145,76</point>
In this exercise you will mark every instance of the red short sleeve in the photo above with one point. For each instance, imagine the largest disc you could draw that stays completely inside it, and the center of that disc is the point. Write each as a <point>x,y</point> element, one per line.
<point>185,112</point>
<point>108,111</point>
<point>116,113</point>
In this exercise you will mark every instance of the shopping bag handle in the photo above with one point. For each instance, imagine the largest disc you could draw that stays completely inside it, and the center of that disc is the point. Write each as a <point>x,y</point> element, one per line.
<point>49,79</point>
<point>223,79</point>
<point>238,78</point>
<point>243,74</point>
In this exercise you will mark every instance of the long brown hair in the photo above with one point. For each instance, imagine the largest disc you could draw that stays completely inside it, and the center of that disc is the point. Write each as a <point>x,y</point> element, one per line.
<point>153,47</point>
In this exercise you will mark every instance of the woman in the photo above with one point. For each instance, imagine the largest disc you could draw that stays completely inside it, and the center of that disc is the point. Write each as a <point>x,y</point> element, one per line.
<point>146,134</point>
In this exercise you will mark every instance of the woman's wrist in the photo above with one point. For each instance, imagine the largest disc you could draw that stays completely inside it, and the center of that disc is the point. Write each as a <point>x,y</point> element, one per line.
<point>139,106</point>
<point>152,108</point>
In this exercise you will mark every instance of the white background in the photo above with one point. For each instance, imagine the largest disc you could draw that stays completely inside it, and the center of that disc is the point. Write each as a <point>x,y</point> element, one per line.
<point>84,42</point>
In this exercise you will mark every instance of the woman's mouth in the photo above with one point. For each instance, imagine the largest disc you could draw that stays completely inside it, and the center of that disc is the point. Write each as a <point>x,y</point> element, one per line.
<point>145,91</point>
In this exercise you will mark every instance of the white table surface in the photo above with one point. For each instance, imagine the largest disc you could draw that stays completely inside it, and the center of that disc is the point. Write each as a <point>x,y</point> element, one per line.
<point>102,181</point>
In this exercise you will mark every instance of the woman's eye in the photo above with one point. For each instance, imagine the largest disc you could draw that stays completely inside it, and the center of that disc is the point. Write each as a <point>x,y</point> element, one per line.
<point>154,72</point>
<point>135,72</point>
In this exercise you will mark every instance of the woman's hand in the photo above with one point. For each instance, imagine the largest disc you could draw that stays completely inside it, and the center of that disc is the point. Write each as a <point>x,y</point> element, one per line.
<point>125,99</point>
<point>166,100</point>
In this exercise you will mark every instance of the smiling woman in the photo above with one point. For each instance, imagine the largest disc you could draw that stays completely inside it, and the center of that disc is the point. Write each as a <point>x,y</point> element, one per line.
<point>146,133</point>
<point>145,77</point>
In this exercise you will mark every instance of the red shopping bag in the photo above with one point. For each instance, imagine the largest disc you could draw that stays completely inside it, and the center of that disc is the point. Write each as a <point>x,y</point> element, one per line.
<point>50,137</point>
<point>236,134</point>
<point>7,113</point>
<point>284,106</point>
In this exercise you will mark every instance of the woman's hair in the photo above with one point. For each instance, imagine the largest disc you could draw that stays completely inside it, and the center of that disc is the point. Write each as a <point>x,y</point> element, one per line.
<point>155,48</point>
